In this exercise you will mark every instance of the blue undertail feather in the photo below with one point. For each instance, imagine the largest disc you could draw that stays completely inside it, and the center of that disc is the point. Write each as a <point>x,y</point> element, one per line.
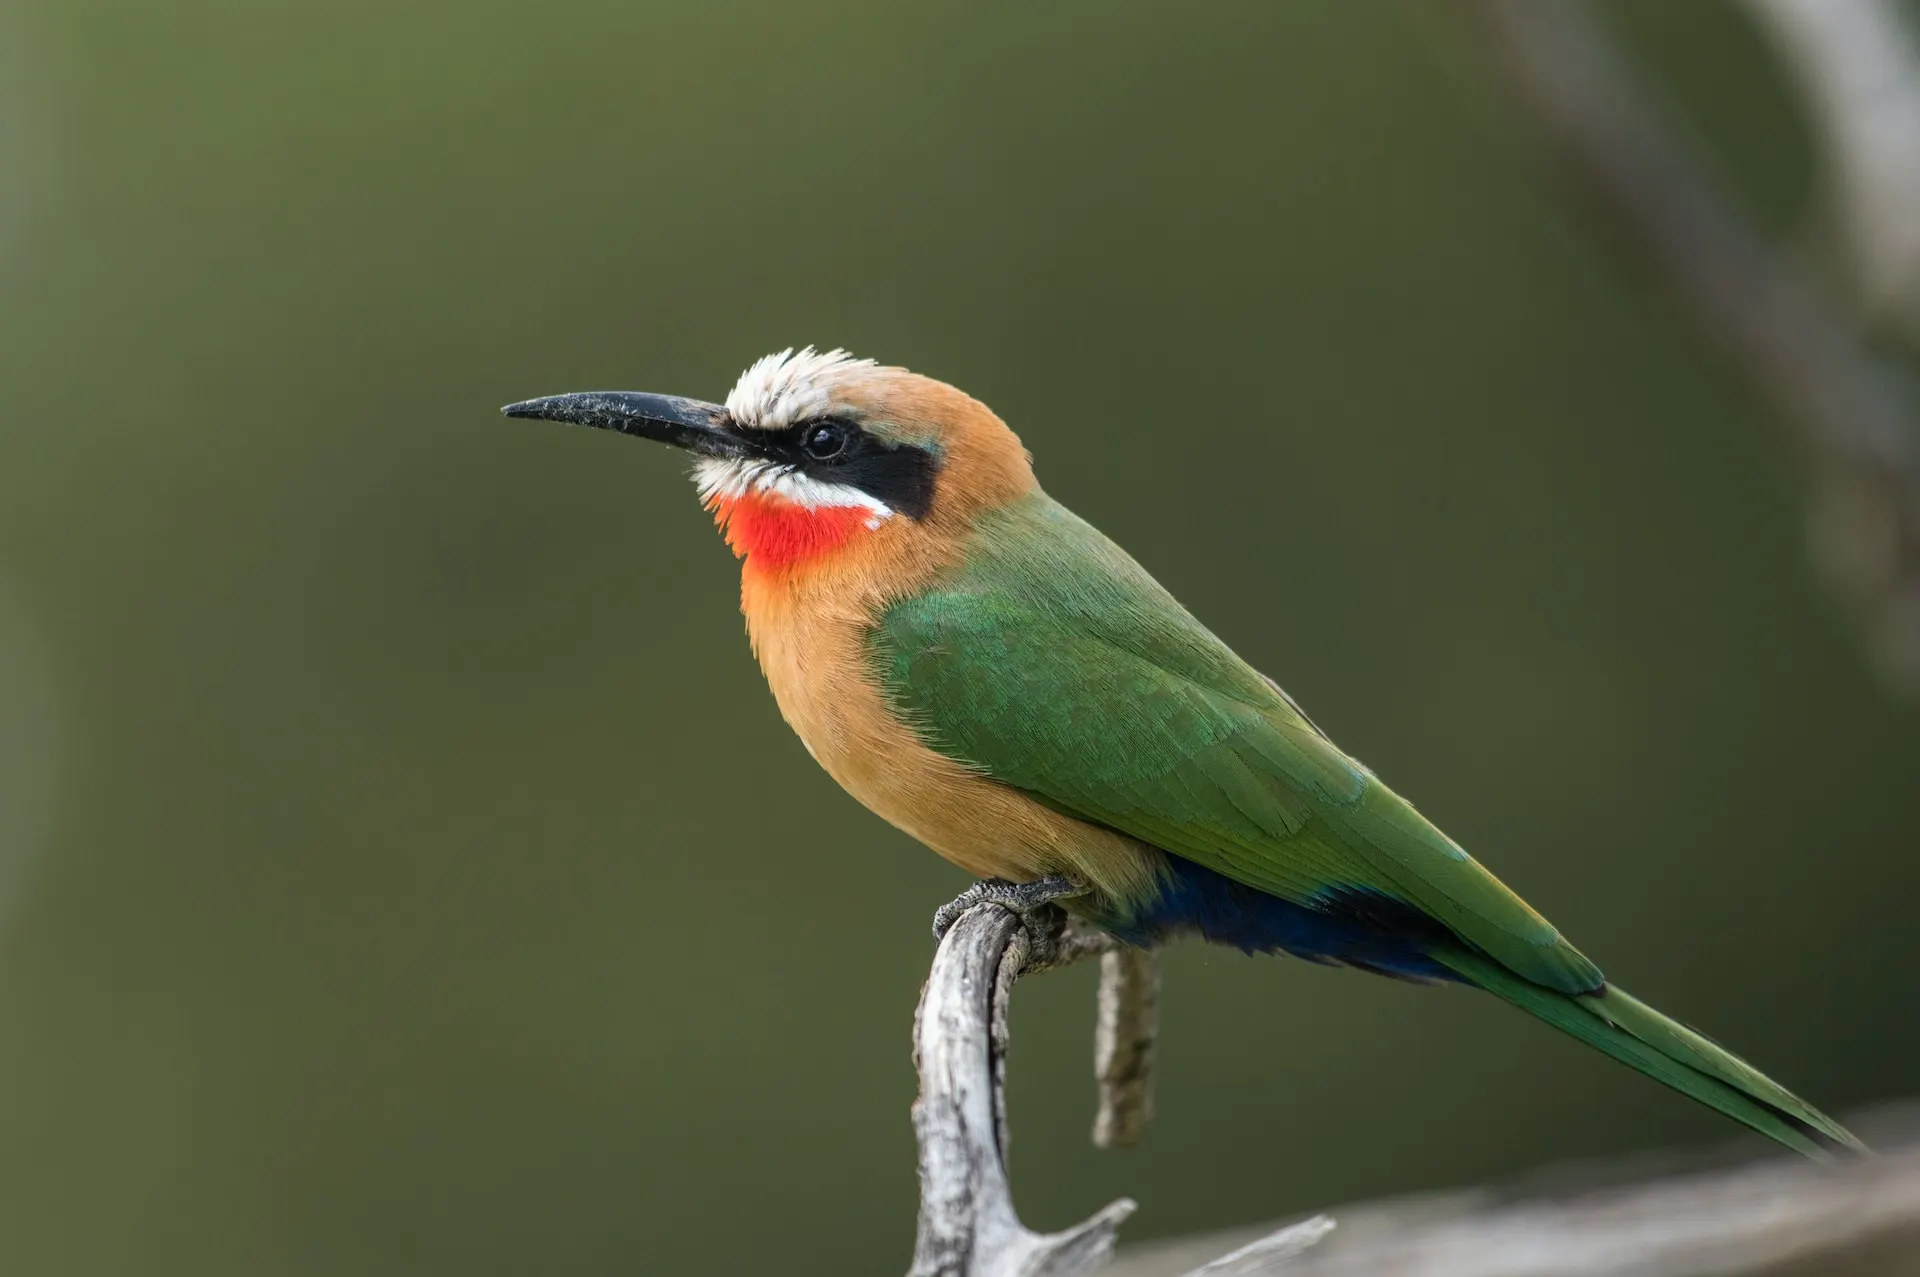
<point>1354,927</point>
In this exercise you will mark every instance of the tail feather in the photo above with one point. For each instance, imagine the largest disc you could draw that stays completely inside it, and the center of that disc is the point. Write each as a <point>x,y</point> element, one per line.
<point>1632,1032</point>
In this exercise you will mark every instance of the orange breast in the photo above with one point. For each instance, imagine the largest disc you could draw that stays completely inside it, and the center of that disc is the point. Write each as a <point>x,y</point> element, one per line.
<point>809,628</point>
<point>813,585</point>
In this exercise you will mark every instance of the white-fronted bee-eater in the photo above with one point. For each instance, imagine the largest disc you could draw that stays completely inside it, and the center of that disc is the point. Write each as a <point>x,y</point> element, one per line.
<point>992,675</point>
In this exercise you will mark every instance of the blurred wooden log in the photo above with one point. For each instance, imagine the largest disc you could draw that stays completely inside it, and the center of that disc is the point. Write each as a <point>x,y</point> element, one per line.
<point>1780,1219</point>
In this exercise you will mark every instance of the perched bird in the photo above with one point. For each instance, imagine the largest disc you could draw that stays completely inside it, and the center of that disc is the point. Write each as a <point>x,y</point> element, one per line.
<point>992,675</point>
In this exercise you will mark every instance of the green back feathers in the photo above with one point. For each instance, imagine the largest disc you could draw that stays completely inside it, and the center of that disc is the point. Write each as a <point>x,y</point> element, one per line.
<point>1054,663</point>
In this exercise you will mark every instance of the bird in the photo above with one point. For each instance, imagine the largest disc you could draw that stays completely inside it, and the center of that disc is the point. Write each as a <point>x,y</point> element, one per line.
<point>989,673</point>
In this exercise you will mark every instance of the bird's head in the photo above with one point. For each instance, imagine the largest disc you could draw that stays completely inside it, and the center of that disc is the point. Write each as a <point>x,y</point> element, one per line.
<point>812,453</point>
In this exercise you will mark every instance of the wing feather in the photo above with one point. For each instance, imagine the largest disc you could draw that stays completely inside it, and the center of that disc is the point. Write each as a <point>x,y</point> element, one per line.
<point>1054,663</point>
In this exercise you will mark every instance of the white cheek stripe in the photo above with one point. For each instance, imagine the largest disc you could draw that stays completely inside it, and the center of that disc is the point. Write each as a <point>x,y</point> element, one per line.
<point>732,478</point>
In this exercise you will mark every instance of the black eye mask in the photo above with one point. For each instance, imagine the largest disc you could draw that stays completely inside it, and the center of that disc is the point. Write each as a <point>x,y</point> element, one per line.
<point>835,450</point>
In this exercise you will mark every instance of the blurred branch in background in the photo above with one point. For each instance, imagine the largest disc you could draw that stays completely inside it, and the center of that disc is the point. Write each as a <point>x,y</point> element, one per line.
<point>1850,412</point>
<point>1780,1219</point>
<point>1858,67</point>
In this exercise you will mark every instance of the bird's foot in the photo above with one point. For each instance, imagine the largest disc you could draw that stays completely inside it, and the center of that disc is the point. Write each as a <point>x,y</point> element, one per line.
<point>1023,898</point>
<point>1033,902</point>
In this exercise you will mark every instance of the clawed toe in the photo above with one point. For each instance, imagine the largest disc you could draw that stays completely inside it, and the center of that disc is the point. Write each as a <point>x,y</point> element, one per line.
<point>1033,901</point>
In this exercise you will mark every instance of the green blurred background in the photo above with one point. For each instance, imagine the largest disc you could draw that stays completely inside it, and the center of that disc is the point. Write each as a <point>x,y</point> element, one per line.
<point>402,866</point>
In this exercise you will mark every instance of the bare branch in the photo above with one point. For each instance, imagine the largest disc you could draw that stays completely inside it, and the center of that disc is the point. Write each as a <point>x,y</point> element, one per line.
<point>968,1226</point>
<point>1850,414</point>
<point>1124,1035</point>
<point>1860,1219</point>
<point>1268,1254</point>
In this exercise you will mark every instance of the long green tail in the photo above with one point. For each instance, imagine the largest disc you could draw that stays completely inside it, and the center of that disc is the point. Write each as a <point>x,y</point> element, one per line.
<point>1637,1035</point>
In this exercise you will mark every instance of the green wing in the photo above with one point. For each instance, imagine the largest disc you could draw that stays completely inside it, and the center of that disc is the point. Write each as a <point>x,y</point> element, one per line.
<point>1052,662</point>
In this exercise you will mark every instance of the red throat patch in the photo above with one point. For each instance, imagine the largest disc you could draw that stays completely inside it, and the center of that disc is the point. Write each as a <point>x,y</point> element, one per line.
<point>772,533</point>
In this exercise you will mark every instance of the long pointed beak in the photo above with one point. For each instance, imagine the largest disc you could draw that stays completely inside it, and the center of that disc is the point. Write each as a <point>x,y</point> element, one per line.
<point>685,423</point>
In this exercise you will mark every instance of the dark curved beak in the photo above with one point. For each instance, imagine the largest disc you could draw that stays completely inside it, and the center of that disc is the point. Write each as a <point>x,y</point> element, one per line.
<point>685,423</point>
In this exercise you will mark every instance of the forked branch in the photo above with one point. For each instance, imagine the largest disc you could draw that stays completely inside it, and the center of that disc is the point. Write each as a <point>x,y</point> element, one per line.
<point>968,1225</point>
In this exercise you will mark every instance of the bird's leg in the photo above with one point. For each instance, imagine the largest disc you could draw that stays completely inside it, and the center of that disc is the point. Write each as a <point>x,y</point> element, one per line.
<point>1023,898</point>
<point>1034,902</point>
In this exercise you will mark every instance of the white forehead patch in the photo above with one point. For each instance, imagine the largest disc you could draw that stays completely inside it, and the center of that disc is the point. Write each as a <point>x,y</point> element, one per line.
<point>730,478</point>
<point>790,387</point>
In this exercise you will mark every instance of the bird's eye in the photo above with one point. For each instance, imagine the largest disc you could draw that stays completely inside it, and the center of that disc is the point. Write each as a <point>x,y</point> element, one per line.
<point>824,441</point>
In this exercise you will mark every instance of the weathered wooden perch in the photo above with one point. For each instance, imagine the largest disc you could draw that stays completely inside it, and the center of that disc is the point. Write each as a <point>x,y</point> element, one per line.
<point>1124,1033</point>
<point>968,1226</point>
<point>1779,1218</point>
